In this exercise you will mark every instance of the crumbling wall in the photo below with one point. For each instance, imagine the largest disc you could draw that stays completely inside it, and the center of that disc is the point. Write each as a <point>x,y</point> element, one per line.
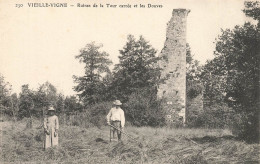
<point>173,63</point>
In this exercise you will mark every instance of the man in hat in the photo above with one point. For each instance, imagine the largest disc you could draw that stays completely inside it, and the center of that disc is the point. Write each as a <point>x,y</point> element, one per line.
<point>51,127</point>
<point>116,118</point>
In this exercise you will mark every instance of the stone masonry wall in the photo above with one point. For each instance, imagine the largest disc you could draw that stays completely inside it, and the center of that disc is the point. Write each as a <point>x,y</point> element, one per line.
<point>173,63</point>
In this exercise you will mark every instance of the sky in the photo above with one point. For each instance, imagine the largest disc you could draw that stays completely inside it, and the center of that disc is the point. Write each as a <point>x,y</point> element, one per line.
<point>40,44</point>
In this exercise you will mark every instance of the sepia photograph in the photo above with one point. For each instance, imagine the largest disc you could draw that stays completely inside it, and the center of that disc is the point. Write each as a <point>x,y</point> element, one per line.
<point>129,81</point>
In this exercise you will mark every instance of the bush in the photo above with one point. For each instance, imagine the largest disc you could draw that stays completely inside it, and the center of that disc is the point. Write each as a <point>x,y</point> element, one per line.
<point>140,110</point>
<point>143,109</point>
<point>98,113</point>
<point>246,126</point>
<point>215,116</point>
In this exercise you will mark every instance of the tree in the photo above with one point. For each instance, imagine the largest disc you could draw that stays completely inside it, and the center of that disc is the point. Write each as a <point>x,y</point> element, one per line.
<point>7,105</point>
<point>137,67</point>
<point>214,79</point>
<point>14,102</point>
<point>135,82</point>
<point>90,87</point>
<point>252,10</point>
<point>144,109</point>
<point>194,90</point>
<point>71,104</point>
<point>193,72</point>
<point>45,96</point>
<point>5,89</point>
<point>60,104</point>
<point>26,105</point>
<point>233,75</point>
<point>50,92</point>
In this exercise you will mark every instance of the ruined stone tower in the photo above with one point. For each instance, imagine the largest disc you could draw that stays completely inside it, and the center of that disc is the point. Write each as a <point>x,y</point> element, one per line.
<point>173,64</point>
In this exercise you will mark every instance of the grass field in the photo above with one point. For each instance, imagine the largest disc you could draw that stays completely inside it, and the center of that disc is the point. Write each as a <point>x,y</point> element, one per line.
<point>91,145</point>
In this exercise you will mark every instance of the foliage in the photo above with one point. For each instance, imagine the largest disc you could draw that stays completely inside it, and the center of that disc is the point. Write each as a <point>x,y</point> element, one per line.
<point>233,75</point>
<point>34,103</point>
<point>244,125</point>
<point>60,104</point>
<point>7,106</point>
<point>238,50</point>
<point>90,87</point>
<point>137,68</point>
<point>26,106</point>
<point>44,96</point>
<point>252,9</point>
<point>136,72</point>
<point>193,68</point>
<point>5,87</point>
<point>71,104</point>
<point>97,113</point>
<point>214,80</point>
<point>49,92</point>
<point>15,101</point>
<point>193,81</point>
<point>214,116</point>
<point>143,108</point>
<point>134,82</point>
<point>194,90</point>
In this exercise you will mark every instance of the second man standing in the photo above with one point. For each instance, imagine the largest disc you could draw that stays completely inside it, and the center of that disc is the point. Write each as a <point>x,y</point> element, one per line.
<point>116,118</point>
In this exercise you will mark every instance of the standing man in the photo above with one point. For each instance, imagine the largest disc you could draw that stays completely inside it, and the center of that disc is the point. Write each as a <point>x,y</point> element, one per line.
<point>116,118</point>
<point>51,127</point>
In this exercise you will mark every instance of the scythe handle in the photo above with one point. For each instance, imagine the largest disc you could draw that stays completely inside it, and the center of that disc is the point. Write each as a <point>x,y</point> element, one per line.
<point>123,132</point>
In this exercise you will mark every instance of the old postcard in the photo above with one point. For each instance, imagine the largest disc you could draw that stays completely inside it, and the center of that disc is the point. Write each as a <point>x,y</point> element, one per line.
<point>127,81</point>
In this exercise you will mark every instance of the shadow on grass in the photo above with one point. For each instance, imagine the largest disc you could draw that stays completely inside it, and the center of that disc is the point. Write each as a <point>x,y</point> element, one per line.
<point>101,140</point>
<point>210,139</point>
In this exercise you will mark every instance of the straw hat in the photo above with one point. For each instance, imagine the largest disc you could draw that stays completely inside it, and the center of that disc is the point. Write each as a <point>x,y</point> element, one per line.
<point>117,102</point>
<point>51,109</point>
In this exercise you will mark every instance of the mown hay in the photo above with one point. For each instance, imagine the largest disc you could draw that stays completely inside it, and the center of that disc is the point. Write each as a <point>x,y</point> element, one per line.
<point>81,145</point>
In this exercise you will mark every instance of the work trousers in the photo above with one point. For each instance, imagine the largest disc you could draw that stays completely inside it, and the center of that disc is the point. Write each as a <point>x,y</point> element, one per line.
<point>116,124</point>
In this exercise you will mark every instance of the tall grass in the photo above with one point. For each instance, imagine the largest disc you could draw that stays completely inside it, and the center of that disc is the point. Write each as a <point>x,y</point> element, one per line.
<point>150,145</point>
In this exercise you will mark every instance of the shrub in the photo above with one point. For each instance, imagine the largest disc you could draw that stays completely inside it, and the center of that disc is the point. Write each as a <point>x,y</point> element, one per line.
<point>98,112</point>
<point>143,109</point>
<point>245,126</point>
<point>215,116</point>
